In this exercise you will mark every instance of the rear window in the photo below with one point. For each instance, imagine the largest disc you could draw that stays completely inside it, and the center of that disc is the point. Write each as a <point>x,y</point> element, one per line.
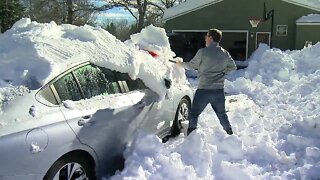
<point>132,84</point>
<point>67,88</point>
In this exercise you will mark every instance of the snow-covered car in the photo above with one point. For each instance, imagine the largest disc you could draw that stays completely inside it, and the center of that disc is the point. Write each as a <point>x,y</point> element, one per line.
<point>75,121</point>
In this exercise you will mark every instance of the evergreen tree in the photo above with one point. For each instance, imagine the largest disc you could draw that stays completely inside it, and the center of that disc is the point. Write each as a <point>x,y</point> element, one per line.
<point>111,28</point>
<point>145,11</point>
<point>10,12</point>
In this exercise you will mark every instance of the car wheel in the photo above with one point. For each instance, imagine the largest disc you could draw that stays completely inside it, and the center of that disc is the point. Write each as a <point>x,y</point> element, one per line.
<point>181,120</point>
<point>71,168</point>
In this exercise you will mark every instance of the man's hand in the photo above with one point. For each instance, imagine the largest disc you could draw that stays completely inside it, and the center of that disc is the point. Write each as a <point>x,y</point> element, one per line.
<point>179,64</point>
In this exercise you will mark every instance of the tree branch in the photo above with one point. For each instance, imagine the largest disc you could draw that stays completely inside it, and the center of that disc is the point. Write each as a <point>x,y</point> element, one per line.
<point>118,4</point>
<point>157,6</point>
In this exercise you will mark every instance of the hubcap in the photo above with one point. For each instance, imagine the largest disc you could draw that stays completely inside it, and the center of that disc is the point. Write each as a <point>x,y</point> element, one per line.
<point>71,171</point>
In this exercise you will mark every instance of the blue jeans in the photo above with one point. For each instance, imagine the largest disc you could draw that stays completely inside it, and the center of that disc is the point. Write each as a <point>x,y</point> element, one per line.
<point>217,100</point>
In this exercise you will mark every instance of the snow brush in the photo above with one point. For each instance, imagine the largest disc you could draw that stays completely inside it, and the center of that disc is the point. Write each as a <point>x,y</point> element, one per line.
<point>172,61</point>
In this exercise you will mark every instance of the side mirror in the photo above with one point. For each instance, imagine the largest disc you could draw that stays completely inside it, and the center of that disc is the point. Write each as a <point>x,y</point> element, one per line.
<point>167,83</point>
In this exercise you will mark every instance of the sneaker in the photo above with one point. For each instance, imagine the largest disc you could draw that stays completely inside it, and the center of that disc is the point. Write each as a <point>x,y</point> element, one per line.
<point>190,130</point>
<point>229,131</point>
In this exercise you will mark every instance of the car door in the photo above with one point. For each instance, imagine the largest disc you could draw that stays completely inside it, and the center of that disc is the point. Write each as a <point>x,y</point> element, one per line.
<point>103,117</point>
<point>155,115</point>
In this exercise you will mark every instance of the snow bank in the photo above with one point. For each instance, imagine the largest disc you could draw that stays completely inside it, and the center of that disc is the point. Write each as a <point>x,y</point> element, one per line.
<point>275,65</point>
<point>274,108</point>
<point>273,105</point>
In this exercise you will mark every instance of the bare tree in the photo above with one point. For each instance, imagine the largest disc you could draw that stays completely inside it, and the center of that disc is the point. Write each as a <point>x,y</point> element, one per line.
<point>133,6</point>
<point>121,29</point>
<point>165,4</point>
<point>76,12</point>
<point>145,11</point>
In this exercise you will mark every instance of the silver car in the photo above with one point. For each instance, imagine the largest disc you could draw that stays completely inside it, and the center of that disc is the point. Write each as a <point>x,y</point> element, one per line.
<point>91,114</point>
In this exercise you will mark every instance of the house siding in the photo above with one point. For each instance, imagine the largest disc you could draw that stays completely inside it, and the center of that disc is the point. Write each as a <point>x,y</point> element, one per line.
<point>235,15</point>
<point>307,33</point>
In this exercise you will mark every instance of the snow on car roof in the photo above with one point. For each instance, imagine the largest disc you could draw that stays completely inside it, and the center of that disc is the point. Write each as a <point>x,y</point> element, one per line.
<point>32,52</point>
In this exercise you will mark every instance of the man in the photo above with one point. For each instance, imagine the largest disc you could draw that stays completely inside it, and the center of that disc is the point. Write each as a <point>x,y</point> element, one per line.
<point>212,62</point>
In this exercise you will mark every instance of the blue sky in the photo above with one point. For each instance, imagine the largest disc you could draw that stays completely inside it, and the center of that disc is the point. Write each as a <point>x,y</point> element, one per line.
<point>115,14</point>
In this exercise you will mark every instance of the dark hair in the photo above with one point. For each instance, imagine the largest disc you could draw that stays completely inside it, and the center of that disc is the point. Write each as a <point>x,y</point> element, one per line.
<point>215,34</point>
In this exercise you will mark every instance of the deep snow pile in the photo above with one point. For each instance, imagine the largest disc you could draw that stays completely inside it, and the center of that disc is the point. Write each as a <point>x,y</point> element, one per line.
<point>274,107</point>
<point>32,53</point>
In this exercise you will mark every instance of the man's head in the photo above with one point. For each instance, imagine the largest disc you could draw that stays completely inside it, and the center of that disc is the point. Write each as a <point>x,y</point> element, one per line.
<point>213,35</point>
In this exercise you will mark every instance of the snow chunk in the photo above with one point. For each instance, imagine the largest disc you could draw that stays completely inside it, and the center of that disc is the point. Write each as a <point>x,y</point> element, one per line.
<point>238,171</point>
<point>24,22</point>
<point>231,146</point>
<point>153,39</point>
<point>8,93</point>
<point>313,152</point>
<point>79,33</point>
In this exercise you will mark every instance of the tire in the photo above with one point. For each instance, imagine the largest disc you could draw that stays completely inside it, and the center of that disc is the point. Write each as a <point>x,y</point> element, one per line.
<point>80,167</point>
<point>181,119</point>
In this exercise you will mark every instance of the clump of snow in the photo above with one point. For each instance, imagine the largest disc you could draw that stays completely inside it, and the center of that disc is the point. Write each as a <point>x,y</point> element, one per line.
<point>154,39</point>
<point>311,18</point>
<point>24,22</point>
<point>8,92</point>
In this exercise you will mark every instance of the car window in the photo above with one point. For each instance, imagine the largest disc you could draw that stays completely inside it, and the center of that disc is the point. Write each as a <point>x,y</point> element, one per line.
<point>47,94</point>
<point>112,80</point>
<point>93,82</point>
<point>132,84</point>
<point>67,88</point>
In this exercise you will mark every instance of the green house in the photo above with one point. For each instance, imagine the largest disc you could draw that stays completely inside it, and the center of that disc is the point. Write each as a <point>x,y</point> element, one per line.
<point>283,24</point>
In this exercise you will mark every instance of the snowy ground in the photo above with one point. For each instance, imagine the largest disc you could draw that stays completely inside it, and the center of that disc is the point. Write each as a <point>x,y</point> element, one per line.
<point>273,105</point>
<point>274,108</point>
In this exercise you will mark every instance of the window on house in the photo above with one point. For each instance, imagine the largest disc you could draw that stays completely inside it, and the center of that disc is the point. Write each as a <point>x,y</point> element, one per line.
<point>282,30</point>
